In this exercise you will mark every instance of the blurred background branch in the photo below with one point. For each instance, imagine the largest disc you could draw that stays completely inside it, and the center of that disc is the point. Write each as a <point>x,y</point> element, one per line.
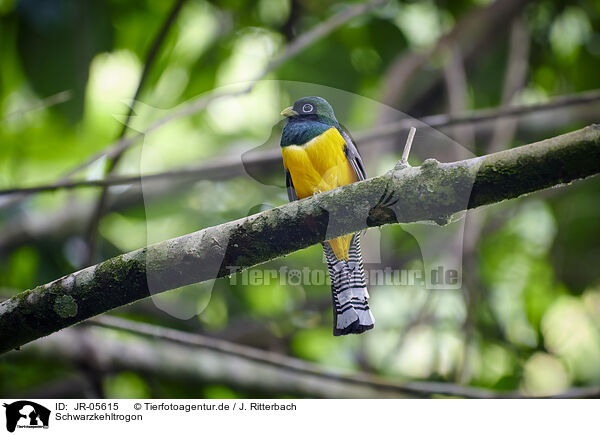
<point>195,359</point>
<point>270,161</point>
<point>91,234</point>
<point>295,47</point>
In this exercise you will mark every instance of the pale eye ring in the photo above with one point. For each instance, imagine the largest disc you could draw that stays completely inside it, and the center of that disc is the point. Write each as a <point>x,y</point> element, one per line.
<point>307,108</point>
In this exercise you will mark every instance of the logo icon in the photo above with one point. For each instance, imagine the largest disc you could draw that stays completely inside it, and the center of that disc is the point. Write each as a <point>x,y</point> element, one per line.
<point>26,414</point>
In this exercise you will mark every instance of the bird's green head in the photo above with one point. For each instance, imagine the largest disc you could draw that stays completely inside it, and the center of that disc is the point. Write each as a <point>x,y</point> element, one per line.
<point>314,108</point>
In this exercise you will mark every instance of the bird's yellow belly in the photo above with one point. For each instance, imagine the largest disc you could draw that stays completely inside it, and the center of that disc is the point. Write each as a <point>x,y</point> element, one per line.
<point>317,166</point>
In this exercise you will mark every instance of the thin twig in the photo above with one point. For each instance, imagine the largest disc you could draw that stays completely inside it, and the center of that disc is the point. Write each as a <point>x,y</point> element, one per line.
<point>408,145</point>
<point>482,115</point>
<point>320,31</point>
<point>52,100</point>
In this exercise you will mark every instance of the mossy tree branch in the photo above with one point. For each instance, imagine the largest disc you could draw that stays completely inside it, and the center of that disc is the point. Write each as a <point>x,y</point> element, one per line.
<point>433,191</point>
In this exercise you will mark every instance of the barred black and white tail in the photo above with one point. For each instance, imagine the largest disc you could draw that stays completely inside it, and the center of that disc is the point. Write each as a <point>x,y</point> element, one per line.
<point>351,314</point>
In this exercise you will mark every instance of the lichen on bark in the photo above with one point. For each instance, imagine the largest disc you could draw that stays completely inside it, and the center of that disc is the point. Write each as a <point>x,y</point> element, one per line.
<point>65,306</point>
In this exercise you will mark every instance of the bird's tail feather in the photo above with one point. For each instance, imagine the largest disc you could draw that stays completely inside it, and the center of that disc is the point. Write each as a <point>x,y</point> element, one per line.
<point>351,313</point>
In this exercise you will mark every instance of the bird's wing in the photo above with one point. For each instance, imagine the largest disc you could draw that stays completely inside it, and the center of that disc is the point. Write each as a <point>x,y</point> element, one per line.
<point>353,156</point>
<point>289,185</point>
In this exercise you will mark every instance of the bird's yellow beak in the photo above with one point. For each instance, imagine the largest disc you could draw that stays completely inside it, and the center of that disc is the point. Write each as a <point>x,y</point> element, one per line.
<point>288,112</point>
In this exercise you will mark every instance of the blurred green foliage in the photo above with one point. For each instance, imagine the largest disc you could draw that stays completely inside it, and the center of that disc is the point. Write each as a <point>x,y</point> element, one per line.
<point>536,322</point>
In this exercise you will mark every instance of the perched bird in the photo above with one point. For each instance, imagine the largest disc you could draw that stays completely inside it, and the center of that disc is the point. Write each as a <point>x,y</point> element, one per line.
<point>318,155</point>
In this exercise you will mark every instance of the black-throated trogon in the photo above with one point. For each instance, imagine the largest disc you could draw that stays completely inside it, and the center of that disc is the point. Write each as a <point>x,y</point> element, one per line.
<point>318,155</point>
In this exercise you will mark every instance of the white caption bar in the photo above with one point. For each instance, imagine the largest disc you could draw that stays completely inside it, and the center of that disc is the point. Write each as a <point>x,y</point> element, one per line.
<point>302,416</point>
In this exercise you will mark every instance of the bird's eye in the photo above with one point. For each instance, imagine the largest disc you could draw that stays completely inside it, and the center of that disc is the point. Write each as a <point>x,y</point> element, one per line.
<point>307,108</point>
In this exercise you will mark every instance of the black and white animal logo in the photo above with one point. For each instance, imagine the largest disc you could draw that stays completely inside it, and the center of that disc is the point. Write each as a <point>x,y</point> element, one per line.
<point>26,414</point>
